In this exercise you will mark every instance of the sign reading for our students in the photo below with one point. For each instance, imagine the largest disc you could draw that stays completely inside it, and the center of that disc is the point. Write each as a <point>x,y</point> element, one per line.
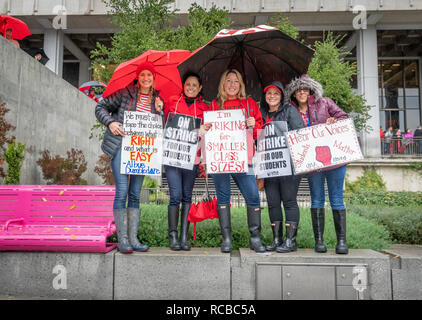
<point>272,158</point>
<point>142,145</point>
<point>225,143</point>
<point>180,141</point>
<point>323,145</point>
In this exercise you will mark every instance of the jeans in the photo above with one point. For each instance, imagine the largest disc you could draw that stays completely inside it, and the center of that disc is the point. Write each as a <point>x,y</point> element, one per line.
<point>181,182</point>
<point>245,182</point>
<point>128,187</point>
<point>335,181</point>
<point>284,189</point>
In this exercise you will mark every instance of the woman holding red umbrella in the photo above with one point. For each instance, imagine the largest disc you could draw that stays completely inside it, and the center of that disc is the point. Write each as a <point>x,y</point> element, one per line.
<point>232,95</point>
<point>181,181</point>
<point>139,95</point>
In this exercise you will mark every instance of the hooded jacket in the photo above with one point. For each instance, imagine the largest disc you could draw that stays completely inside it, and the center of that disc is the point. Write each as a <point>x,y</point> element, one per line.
<point>319,108</point>
<point>285,112</point>
<point>112,109</point>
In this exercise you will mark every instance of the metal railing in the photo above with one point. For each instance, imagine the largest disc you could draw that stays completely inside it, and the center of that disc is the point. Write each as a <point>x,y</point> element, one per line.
<point>401,146</point>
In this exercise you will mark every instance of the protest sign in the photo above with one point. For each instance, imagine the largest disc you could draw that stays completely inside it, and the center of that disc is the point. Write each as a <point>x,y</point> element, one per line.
<point>180,142</point>
<point>272,158</point>
<point>323,146</point>
<point>142,145</point>
<point>225,143</point>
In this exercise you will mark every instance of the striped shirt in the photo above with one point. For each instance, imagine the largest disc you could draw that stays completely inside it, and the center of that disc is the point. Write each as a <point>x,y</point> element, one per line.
<point>142,105</point>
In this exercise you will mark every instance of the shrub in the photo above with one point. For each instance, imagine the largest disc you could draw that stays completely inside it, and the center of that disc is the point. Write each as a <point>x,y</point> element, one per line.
<point>403,224</point>
<point>5,128</point>
<point>103,169</point>
<point>362,232</point>
<point>385,198</point>
<point>370,180</point>
<point>58,170</point>
<point>14,158</point>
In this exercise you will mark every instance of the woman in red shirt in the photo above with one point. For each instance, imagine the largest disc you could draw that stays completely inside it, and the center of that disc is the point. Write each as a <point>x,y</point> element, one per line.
<point>232,95</point>
<point>181,181</point>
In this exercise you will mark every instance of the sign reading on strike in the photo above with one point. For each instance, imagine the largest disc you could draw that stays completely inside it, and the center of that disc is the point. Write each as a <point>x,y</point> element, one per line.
<point>225,143</point>
<point>323,145</point>
<point>180,142</point>
<point>272,158</point>
<point>142,145</point>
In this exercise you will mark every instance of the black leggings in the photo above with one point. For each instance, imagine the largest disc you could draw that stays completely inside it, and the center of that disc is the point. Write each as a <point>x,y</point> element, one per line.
<point>283,189</point>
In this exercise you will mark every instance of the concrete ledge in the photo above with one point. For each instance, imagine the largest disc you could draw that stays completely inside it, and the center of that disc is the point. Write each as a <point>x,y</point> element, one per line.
<point>57,275</point>
<point>176,275</point>
<point>244,277</point>
<point>406,272</point>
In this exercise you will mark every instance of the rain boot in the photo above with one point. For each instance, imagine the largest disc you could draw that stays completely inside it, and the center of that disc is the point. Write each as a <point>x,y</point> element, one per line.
<point>290,244</point>
<point>120,219</point>
<point>254,224</point>
<point>173,219</point>
<point>134,214</point>
<point>277,227</point>
<point>318,223</point>
<point>184,227</point>
<point>340,226</point>
<point>226,228</point>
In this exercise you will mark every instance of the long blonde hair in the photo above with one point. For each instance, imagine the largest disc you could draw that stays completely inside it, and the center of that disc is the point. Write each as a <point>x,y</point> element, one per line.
<point>221,95</point>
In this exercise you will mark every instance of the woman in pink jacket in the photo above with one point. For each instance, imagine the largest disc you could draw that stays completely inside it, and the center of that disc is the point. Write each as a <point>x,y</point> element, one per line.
<point>306,95</point>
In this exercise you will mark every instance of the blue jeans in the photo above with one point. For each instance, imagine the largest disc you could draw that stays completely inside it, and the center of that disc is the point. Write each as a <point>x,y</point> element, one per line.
<point>244,181</point>
<point>128,187</point>
<point>181,183</point>
<point>335,181</point>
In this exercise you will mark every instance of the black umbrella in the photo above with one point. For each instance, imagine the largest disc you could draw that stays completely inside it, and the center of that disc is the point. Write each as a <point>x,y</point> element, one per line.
<point>34,51</point>
<point>262,54</point>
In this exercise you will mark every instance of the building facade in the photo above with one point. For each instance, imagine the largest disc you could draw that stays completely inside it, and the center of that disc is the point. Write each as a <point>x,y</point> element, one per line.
<point>384,37</point>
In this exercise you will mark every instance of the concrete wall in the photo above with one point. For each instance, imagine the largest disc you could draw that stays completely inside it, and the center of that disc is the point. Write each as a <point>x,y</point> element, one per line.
<point>47,111</point>
<point>396,173</point>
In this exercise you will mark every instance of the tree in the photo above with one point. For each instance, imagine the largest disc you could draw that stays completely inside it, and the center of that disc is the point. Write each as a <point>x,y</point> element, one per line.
<point>14,158</point>
<point>329,68</point>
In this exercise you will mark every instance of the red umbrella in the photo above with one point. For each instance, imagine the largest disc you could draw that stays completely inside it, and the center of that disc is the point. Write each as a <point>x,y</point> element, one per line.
<point>19,28</point>
<point>204,209</point>
<point>86,85</point>
<point>167,78</point>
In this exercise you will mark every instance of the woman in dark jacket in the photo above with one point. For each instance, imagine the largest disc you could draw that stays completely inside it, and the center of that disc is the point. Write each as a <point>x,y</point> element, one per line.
<point>137,96</point>
<point>306,95</point>
<point>285,188</point>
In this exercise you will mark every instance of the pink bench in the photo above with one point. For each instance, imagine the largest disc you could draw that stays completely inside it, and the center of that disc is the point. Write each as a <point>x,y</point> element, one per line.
<point>56,218</point>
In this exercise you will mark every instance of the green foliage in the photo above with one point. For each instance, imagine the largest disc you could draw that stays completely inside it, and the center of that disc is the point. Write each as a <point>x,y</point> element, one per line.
<point>335,74</point>
<point>149,183</point>
<point>284,24</point>
<point>403,223</point>
<point>14,157</point>
<point>417,167</point>
<point>384,198</point>
<point>370,180</point>
<point>362,233</point>
<point>5,139</point>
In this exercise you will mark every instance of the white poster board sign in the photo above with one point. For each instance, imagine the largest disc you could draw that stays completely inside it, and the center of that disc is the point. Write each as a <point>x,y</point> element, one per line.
<point>225,143</point>
<point>272,158</point>
<point>180,142</point>
<point>142,145</point>
<point>323,146</point>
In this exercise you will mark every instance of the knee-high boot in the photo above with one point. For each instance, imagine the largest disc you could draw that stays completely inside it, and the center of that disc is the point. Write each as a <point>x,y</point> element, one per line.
<point>120,218</point>
<point>277,227</point>
<point>254,224</point>
<point>134,215</point>
<point>318,223</point>
<point>225,226</point>
<point>291,232</point>
<point>173,219</point>
<point>340,226</point>
<point>184,227</point>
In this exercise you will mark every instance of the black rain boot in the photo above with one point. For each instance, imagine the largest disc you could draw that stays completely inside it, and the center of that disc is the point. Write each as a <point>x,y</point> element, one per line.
<point>173,219</point>
<point>340,226</point>
<point>133,215</point>
<point>120,219</point>
<point>290,244</point>
<point>277,227</point>
<point>184,227</point>
<point>254,224</point>
<point>226,227</point>
<point>318,223</point>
